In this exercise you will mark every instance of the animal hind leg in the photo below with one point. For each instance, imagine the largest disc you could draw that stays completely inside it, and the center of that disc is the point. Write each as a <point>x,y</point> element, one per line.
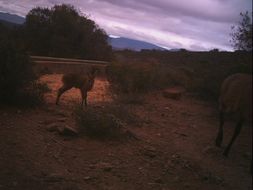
<point>219,137</point>
<point>84,98</point>
<point>60,92</point>
<point>236,133</point>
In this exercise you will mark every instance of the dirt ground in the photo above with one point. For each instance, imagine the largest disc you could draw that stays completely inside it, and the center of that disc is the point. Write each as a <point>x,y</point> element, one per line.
<point>175,148</point>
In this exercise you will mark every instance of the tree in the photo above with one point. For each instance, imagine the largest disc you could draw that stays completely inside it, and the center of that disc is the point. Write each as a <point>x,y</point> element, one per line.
<point>242,34</point>
<point>62,32</point>
<point>215,50</point>
<point>37,31</point>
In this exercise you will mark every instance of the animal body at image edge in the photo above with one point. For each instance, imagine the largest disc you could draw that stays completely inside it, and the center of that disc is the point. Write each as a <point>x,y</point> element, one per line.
<point>235,98</point>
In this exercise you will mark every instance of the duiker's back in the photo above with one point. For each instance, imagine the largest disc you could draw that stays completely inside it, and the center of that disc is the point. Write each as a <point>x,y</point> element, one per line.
<point>236,95</point>
<point>75,80</point>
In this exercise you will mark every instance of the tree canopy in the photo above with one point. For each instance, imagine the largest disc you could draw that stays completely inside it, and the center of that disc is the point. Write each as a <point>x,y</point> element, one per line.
<point>61,31</point>
<point>242,34</point>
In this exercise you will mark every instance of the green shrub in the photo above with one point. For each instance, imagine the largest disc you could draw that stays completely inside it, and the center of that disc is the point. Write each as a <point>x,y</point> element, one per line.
<point>100,124</point>
<point>136,78</point>
<point>18,83</point>
<point>121,111</point>
<point>209,68</point>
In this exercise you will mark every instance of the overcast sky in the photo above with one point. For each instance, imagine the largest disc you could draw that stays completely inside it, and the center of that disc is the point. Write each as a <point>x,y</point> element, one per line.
<point>190,24</point>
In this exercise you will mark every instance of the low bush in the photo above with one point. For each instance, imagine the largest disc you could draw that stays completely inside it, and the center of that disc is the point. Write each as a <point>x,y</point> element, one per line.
<point>95,123</point>
<point>136,77</point>
<point>201,73</point>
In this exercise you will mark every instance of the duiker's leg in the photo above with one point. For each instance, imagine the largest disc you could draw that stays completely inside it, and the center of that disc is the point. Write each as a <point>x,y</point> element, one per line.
<point>60,92</point>
<point>220,133</point>
<point>236,133</point>
<point>251,167</point>
<point>84,97</point>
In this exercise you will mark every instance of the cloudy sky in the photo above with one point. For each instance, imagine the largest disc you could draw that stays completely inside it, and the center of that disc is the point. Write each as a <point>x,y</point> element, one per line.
<point>190,24</point>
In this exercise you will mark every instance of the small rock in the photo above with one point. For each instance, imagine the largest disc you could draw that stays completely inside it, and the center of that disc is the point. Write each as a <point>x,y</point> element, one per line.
<point>194,126</point>
<point>49,109</point>
<point>210,177</point>
<point>176,179</point>
<point>87,178</point>
<point>159,180</point>
<point>44,173</point>
<point>186,165</point>
<point>167,108</point>
<point>247,155</point>
<point>150,153</point>
<point>92,166</point>
<point>175,156</point>
<point>147,121</point>
<point>107,168</point>
<point>61,113</point>
<point>53,127</point>
<point>181,134</point>
<point>46,122</point>
<point>68,131</point>
<point>187,186</point>
<point>54,177</point>
<point>15,183</point>
<point>63,119</point>
<point>170,164</point>
<point>69,170</point>
<point>173,93</point>
<point>209,149</point>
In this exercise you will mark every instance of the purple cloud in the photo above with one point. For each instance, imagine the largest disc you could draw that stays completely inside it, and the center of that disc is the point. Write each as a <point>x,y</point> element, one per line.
<point>194,25</point>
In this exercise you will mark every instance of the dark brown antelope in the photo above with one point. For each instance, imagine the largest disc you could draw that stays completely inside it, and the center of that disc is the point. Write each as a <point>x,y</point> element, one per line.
<point>235,98</point>
<point>84,82</point>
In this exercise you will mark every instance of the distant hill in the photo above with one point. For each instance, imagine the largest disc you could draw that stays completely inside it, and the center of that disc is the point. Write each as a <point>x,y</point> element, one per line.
<point>8,24</point>
<point>15,19</point>
<point>116,43</point>
<point>126,43</point>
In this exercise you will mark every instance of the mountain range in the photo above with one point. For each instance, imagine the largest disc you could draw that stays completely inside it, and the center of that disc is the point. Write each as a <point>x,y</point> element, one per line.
<point>15,19</point>
<point>126,43</point>
<point>118,43</point>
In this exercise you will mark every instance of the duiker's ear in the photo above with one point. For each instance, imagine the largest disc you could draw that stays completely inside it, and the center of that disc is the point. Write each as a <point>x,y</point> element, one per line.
<point>94,70</point>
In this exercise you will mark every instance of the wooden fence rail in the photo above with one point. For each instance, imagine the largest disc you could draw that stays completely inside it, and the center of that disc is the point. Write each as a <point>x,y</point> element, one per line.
<point>64,60</point>
<point>65,65</point>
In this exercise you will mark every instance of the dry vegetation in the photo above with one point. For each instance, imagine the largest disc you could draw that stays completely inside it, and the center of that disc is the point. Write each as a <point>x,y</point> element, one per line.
<point>153,143</point>
<point>199,72</point>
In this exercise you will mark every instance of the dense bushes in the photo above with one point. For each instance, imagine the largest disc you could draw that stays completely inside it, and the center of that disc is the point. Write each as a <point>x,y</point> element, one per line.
<point>199,72</point>
<point>18,83</point>
<point>130,80</point>
<point>136,77</point>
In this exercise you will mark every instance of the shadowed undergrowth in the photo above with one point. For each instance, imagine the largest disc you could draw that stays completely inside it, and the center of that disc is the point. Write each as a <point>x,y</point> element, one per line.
<point>105,122</point>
